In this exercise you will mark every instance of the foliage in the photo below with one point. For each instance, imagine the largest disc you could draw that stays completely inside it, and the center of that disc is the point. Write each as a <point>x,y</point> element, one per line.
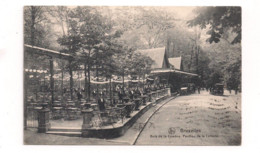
<point>219,19</point>
<point>105,38</point>
<point>143,27</point>
<point>215,77</point>
<point>36,26</point>
<point>140,64</point>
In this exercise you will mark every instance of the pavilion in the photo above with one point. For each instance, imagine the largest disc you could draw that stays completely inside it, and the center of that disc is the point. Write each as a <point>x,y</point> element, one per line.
<point>168,69</point>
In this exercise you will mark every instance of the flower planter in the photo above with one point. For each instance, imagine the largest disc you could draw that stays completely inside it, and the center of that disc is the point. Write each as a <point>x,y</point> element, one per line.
<point>144,98</point>
<point>128,108</point>
<point>137,103</point>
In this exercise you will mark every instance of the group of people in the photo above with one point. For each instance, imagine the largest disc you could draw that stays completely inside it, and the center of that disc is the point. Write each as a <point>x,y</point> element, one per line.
<point>123,94</point>
<point>119,94</point>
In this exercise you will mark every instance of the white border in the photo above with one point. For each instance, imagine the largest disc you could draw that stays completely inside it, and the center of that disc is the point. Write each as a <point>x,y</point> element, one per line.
<point>11,57</point>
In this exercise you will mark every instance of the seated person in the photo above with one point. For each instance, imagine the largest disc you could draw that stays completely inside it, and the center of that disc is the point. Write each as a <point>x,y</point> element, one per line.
<point>131,94</point>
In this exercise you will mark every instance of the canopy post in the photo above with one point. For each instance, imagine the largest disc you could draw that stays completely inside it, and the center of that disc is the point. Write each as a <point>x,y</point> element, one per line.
<point>51,81</point>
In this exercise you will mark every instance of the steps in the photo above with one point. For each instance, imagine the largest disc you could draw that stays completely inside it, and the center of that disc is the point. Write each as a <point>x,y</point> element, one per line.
<point>65,131</point>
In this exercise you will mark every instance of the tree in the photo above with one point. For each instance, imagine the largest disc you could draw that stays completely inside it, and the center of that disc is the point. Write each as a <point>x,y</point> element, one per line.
<point>219,20</point>
<point>60,15</point>
<point>140,64</point>
<point>144,27</point>
<point>89,38</point>
<point>154,23</point>
<point>123,62</point>
<point>36,26</point>
<point>234,75</point>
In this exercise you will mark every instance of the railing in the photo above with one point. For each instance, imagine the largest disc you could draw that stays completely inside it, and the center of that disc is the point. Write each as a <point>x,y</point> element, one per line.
<point>92,116</point>
<point>32,115</point>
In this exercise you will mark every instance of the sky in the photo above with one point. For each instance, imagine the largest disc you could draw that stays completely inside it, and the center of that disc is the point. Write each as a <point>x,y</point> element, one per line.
<point>183,12</point>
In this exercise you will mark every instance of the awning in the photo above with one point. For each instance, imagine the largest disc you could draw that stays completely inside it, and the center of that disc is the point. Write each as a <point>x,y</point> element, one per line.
<point>158,71</point>
<point>96,82</point>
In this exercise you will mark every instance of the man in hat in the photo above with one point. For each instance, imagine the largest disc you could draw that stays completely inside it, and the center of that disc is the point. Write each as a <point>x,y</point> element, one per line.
<point>101,103</point>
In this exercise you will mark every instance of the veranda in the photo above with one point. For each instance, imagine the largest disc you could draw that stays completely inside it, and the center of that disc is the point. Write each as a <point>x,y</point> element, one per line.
<point>64,92</point>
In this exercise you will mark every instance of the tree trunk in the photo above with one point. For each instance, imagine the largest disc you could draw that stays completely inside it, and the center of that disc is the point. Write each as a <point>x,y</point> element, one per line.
<point>86,84</point>
<point>71,80</point>
<point>62,77</point>
<point>33,11</point>
<point>51,82</point>
<point>25,99</point>
<point>123,81</point>
<point>89,84</point>
<point>97,77</point>
<point>197,60</point>
<point>191,58</point>
<point>110,93</point>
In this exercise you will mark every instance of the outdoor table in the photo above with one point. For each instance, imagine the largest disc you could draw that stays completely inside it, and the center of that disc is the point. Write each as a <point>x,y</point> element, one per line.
<point>94,106</point>
<point>79,102</point>
<point>82,105</point>
<point>87,105</point>
<point>83,101</point>
<point>33,104</point>
<point>72,113</point>
<point>37,108</point>
<point>56,103</point>
<point>57,114</point>
<point>70,103</point>
<point>120,105</point>
<point>57,108</point>
<point>126,99</point>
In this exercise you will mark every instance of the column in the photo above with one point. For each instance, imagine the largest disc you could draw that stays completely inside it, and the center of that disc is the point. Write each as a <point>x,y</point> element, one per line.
<point>51,81</point>
<point>43,121</point>
<point>87,119</point>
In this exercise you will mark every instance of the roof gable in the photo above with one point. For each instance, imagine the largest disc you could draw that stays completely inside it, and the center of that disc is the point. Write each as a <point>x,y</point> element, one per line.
<point>176,62</point>
<point>157,55</point>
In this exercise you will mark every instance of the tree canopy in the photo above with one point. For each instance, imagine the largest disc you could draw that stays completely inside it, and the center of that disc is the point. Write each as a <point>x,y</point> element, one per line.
<point>218,20</point>
<point>104,39</point>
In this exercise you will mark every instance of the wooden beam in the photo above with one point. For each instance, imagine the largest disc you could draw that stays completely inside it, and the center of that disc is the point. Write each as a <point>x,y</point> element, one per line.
<point>48,52</point>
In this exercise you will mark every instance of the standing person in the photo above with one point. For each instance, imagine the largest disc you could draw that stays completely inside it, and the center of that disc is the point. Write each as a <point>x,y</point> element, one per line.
<point>131,94</point>
<point>198,89</point>
<point>120,95</point>
<point>79,95</point>
<point>101,103</point>
<point>94,94</point>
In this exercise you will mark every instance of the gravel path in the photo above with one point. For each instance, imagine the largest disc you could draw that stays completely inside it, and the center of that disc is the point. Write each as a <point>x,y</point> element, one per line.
<point>197,119</point>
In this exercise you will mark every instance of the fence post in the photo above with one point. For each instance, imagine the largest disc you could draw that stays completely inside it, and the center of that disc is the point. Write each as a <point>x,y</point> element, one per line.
<point>87,118</point>
<point>25,100</point>
<point>169,91</point>
<point>43,120</point>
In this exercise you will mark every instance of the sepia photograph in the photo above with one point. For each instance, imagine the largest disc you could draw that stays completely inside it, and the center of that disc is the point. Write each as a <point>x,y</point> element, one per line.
<point>132,75</point>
